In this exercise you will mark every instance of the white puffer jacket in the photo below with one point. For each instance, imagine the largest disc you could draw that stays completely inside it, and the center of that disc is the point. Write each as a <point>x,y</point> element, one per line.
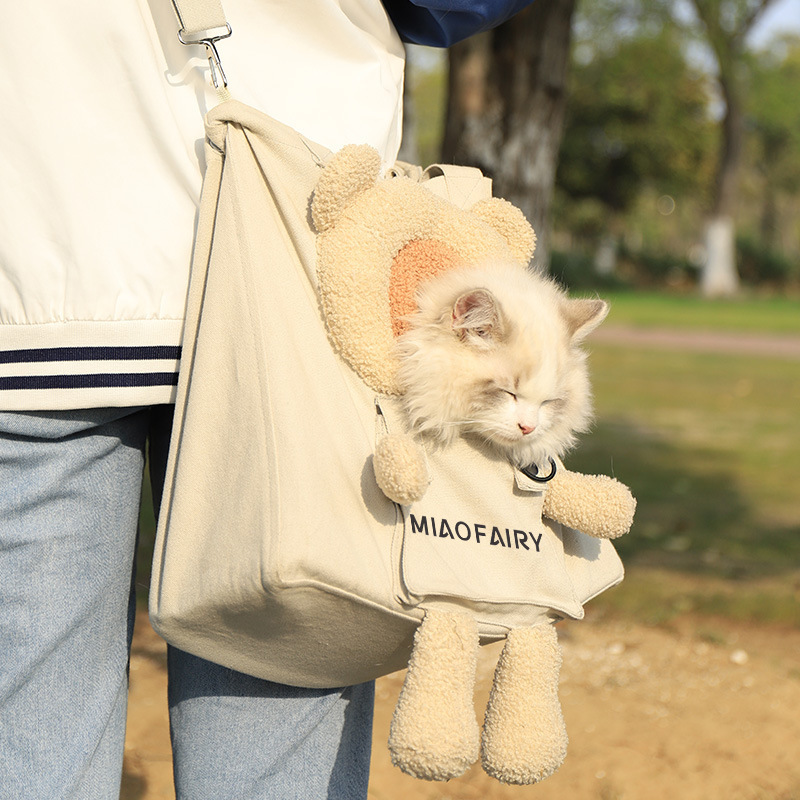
<point>101,171</point>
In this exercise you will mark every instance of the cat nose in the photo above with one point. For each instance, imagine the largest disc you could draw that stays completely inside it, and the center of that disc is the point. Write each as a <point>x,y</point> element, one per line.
<point>526,429</point>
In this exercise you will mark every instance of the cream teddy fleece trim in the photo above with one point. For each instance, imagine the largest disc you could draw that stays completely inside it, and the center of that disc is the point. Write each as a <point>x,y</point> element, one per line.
<point>354,262</point>
<point>510,222</point>
<point>353,170</point>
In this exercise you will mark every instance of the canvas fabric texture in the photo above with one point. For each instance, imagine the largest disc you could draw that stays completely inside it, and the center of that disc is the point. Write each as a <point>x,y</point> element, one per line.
<point>277,554</point>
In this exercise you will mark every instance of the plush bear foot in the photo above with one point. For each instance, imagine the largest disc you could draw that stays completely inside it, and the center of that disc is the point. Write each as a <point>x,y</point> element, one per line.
<point>524,737</point>
<point>434,734</point>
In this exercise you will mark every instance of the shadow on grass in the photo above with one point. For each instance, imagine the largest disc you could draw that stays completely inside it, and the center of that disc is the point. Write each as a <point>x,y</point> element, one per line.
<point>691,514</point>
<point>698,544</point>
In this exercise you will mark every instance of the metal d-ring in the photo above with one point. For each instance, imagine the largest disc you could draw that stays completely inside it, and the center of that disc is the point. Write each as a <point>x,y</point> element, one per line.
<point>532,472</point>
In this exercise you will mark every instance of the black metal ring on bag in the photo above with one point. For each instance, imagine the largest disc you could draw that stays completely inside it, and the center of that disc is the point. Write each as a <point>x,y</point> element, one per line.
<point>532,472</point>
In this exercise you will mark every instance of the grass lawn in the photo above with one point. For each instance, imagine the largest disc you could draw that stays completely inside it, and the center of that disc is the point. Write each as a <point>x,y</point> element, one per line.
<point>710,445</point>
<point>756,314</point>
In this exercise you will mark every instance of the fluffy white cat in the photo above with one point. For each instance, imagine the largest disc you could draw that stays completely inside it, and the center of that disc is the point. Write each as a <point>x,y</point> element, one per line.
<point>494,351</point>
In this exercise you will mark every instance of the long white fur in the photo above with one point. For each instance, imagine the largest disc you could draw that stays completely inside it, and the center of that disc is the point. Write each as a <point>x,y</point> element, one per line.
<point>527,371</point>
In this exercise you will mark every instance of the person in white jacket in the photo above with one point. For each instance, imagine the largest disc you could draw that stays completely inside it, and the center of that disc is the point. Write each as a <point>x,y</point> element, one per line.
<point>100,176</point>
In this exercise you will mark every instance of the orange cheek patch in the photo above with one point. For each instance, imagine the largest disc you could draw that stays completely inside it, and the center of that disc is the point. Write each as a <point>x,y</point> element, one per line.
<point>416,262</point>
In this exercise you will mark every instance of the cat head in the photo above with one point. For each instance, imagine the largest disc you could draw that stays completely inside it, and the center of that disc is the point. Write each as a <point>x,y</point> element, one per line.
<point>493,351</point>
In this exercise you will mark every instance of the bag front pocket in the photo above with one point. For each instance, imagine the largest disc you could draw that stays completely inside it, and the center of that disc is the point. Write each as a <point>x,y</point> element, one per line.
<point>478,539</point>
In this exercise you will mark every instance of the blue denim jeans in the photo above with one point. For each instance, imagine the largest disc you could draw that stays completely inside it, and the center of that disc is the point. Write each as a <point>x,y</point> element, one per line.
<point>70,486</point>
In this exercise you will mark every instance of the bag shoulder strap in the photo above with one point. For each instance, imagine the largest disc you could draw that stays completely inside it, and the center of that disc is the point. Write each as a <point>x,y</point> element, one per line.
<point>199,16</point>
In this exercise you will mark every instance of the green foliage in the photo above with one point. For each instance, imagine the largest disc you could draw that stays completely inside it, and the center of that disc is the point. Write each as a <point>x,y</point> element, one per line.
<point>758,264</point>
<point>637,116</point>
<point>656,268</point>
<point>773,145</point>
<point>644,124</point>
<point>430,98</point>
<point>657,597</point>
<point>773,110</point>
<point>575,271</point>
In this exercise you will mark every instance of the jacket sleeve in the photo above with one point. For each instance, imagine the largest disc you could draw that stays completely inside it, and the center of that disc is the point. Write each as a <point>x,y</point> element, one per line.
<point>441,23</point>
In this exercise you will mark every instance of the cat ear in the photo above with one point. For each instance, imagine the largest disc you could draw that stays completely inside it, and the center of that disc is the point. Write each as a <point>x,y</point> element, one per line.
<point>583,316</point>
<point>476,314</point>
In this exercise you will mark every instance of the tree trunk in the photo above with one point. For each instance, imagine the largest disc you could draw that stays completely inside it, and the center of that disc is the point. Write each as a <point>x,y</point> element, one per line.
<point>508,92</point>
<point>720,277</point>
<point>409,144</point>
<point>727,25</point>
<point>605,256</point>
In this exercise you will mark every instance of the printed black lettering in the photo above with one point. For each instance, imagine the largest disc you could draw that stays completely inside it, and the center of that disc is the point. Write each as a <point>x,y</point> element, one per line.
<point>466,527</point>
<point>445,524</point>
<point>508,539</point>
<point>519,539</point>
<point>536,540</point>
<point>419,527</point>
<point>479,531</point>
<point>497,538</point>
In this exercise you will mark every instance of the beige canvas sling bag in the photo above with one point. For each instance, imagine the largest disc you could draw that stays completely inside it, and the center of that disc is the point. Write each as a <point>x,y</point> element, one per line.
<point>277,554</point>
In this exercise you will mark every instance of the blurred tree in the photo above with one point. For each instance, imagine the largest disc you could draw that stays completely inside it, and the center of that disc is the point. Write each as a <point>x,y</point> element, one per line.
<point>507,96</point>
<point>726,24</point>
<point>637,117</point>
<point>409,146</point>
<point>773,127</point>
<point>424,100</point>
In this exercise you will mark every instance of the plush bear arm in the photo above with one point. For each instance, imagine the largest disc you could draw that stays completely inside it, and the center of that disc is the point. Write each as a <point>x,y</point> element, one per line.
<point>401,468</point>
<point>593,504</point>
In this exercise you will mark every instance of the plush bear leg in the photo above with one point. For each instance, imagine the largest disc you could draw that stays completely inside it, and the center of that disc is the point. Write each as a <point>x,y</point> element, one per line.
<point>524,737</point>
<point>434,734</point>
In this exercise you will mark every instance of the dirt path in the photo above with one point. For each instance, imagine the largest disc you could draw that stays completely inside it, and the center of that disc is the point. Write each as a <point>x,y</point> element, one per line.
<point>701,711</point>
<point>701,341</point>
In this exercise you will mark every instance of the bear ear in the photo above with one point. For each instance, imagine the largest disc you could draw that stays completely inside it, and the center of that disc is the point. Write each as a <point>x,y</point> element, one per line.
<point>350,172</point>
<point>511,224</point>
